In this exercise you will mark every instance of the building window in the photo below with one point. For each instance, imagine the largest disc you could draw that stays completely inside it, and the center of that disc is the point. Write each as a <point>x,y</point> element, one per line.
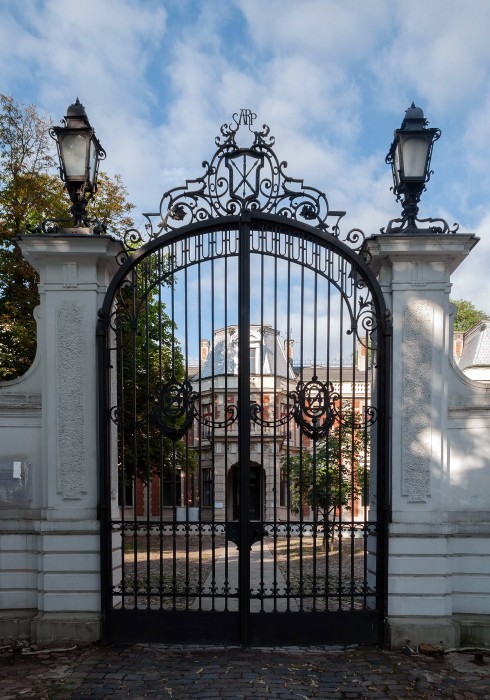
<point>283,488</point>
<point>172,490</point>
<point>252,360</point>
<point>125,490</point>
<point>207,487</point>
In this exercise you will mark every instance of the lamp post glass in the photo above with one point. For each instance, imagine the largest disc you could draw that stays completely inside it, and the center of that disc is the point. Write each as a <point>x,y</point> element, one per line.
<point>409,156</point>
<point>73,150</point>
<point>79,153</point>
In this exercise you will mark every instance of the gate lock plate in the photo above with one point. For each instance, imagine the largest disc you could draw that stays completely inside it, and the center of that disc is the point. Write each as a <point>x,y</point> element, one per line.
<point>256,533</point>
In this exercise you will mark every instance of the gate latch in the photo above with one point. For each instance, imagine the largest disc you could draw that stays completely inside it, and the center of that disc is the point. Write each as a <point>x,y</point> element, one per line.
<point>256,533</point>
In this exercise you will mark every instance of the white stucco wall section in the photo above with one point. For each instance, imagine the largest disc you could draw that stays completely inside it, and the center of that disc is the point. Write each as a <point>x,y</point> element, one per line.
<point>49,541</point>
<point>439,534</point>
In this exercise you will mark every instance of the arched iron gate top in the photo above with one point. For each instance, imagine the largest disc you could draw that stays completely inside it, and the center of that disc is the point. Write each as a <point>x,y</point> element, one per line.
<point>357,257</point>
<point>245,190</point>
<point>246,181</point>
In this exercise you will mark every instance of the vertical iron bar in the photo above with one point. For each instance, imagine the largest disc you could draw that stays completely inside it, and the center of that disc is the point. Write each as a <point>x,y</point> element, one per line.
<point>275,417</point>
<point>187,476</point>
<point>200,427</point>
<point>225,404</point>
<point>262,246</point>
<point>341,428</point>
<point>244,422</point>
<point>134,289</point>
<point>160,451</point>
<point>214,409</point>
<point>316,494</point>
<point>301,461</point>
<point>290,427</point>
<point>145,400</point>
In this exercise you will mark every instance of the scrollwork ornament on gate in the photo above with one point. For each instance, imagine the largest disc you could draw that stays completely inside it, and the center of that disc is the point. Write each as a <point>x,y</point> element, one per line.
<point>314,407</point>
<point>212,424</point>
<point>174,409</point>
<point>250,178</point>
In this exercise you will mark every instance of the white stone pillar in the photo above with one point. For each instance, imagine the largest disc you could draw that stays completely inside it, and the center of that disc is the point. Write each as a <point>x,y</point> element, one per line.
<point>414,271</point>
<point>75,270</point>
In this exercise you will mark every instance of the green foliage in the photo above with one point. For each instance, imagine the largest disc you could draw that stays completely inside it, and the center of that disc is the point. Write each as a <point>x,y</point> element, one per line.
<point>467,315</point>
<point>330,476</point>
<point>31,192</point>
<point>149,355</point>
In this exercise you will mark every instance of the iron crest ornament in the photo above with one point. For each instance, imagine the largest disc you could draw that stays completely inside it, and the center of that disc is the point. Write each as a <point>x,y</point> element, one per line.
<point>174,410</point>
<point>244,178</point>
<point>316,407</point>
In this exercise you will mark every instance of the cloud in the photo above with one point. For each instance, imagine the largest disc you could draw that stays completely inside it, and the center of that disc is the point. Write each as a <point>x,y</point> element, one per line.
<point>437,51</point>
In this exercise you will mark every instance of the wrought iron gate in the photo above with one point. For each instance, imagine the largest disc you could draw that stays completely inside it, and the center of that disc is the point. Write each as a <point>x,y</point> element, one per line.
<point>243,420</point>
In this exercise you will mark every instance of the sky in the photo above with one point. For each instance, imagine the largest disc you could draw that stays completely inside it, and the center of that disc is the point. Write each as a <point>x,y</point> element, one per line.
<point>332,79</point>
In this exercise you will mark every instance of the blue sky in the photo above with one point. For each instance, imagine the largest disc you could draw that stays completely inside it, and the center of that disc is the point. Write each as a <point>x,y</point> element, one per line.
<point>332,78</point>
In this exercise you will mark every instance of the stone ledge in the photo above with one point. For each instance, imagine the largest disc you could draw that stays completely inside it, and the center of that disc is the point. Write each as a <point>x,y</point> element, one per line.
<point>66,627</point>
<point>15,625</point>
<point>474,630</point>
<point>418,630</point>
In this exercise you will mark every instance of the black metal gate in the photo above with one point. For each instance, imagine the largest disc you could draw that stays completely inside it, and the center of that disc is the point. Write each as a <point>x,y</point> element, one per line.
<point>243,417</point>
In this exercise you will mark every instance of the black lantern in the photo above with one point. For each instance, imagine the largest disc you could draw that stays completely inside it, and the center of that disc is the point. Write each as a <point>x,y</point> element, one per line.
<point>79,152</point>
<point>409,157</point>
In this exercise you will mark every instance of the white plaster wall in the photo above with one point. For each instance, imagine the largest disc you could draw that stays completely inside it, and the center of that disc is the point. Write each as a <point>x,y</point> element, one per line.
<point>50,546</point>
<point>20,441</point>
<point>439,535</point>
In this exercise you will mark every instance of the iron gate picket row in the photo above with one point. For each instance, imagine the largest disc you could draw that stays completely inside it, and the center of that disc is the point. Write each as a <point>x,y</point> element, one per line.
<point>243,439</point>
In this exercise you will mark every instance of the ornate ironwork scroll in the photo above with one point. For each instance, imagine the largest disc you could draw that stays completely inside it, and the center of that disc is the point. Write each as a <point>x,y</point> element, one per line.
<point>316,406</point>
<point>174,410</point>
<point>238,179</point>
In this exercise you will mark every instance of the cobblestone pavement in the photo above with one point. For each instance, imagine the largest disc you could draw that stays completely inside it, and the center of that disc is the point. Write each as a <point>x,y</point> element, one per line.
<point>175,672</point>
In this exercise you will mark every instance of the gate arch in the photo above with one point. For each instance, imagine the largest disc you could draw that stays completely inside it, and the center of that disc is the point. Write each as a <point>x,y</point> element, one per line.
<point>290,336</point>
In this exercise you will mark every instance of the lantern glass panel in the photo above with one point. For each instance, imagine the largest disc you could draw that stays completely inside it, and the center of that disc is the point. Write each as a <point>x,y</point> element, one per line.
<point>397,165</point>
<point>92,162</point>
<point>74,150</point>
<point>415,149</point>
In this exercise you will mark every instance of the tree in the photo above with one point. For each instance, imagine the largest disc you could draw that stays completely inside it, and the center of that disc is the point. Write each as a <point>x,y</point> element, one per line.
<point>149,356</point>
<point>467,316</point>
<point>332,475</point>
<point>30,192</point>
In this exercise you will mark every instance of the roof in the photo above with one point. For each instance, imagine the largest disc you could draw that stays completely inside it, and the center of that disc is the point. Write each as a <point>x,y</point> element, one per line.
<point>347,373</point>
<point>223,355</point>
<point>476,348</point>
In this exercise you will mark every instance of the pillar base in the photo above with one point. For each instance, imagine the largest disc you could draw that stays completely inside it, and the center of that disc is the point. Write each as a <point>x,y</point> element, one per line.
<point>73,627</point>
<point>413,631</point>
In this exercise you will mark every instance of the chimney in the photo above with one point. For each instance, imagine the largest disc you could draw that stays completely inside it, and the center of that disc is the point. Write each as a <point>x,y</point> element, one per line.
<point>205,345</point>
<point>289,349</point>
<point>362,353</point>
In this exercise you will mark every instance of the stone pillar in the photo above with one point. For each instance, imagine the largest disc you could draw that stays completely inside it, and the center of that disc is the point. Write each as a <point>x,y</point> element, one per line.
<point>75,270</point>
<point>414,271</point>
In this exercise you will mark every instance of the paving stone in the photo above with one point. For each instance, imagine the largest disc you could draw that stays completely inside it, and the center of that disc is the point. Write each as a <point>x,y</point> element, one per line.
<point>231,673</point>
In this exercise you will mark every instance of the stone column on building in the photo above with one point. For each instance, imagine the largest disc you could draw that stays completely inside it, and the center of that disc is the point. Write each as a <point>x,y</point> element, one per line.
<point>414,271</point>
<point>75,268</point>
